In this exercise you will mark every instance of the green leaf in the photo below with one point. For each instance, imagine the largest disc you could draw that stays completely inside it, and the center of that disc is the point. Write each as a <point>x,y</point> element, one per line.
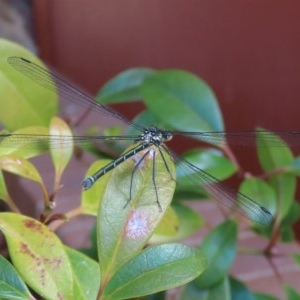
<point>23,103</point>
<point>211,161</point>
<point>3,190</point>
<point>12,286</point>
<point>60,154</point>
<point>293,214</point>
<point>221,290</point>
<point>291,293</point>
<point>146,119</point>
<point>86,275</point>
<point>294,166</point>
<point>124,86</point>
<point>275,157</point>
<point>297,259</point>
<point>260,296</point>
<point>24,147</point>
<point>189,222</point>
<point>192,292</point>
<point>239,290</point>
<point>287,234</point>
<point>155,269</point>
<point>169,224</point>
<point>261,192</point>
<point>20,166</point>
<point>91,198</point>
<point>91,251</point>
<point>24,168</point>
<point>38,255</point>
<point>125,225</point>
<point>286,228</point>
<point>183,101</point>
<point>219,247</point>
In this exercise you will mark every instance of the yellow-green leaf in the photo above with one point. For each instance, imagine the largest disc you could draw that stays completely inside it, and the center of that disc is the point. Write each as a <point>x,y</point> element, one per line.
<point>38,255</point>
<point>124,224</point>
<point>61,148</point>
<point>169,224</point>
<point>91,198</point>
<point>20,166</point>
<point>26,142</point>
<point>24,168</point>
<point>23,103</point>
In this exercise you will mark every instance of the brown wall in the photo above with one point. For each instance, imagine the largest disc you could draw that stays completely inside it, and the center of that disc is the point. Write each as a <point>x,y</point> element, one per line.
<point>247,50</point>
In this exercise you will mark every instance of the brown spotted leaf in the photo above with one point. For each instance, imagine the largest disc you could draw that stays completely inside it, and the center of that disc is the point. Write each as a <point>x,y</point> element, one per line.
<point>38,255</point>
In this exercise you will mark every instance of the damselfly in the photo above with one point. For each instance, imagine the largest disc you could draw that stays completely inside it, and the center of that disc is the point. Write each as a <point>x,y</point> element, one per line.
<point>148,137</point>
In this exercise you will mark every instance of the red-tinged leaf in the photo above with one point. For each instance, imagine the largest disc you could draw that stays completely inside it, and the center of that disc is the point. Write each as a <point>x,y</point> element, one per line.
<point>38,255</point>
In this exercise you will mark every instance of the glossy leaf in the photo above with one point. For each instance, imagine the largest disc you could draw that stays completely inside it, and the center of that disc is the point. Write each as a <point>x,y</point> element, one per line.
<point>125,225</point>
<point>124,86</point>
<point>294,166</point>
<point>284,184</point>
<point>38,255</point>
<point>24,147</point>
<point>261,192</point>
<point>91,198</point>
<point>146,118</point>
<point>86,275</point>
<point>260,296</point>
<point>12,286</point>
<point>291,293</point>
<point>155,269</point>
<point>211,161</point>
<point>61,155</point>
<point>192,292</point>
<point>219,247</point>
<point>23,103</point>
<point>239,290</point>
<point>189,222</point>
<point>182,100</point>
<point>221,290</point>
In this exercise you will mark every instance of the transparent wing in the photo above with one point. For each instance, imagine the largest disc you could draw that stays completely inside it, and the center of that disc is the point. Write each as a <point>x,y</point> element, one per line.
<point>31,141</point>
<point>223,193</point>
<point>56,84</point>
<point>246,138</point>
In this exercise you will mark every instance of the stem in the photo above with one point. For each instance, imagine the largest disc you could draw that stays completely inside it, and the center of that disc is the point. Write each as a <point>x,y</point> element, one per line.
<point>11,204</point>
<point>229,153</point>
<point>67,217</point>
<point>276,171</point>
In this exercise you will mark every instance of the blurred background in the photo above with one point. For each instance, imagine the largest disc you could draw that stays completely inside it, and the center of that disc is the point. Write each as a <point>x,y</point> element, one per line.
<point>247,51</point>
